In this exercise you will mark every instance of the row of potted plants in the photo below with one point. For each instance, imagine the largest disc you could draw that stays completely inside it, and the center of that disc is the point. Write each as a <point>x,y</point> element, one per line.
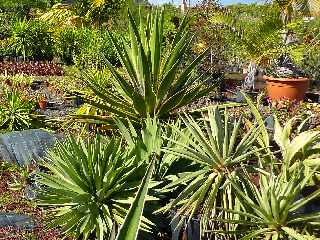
<point>31,68</point>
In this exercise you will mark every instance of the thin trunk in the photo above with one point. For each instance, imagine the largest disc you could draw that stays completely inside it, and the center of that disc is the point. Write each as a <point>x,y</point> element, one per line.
<point>250,78</point>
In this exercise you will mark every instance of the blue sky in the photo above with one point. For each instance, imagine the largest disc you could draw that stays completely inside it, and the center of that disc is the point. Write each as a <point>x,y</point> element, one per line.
<point>223,2</point>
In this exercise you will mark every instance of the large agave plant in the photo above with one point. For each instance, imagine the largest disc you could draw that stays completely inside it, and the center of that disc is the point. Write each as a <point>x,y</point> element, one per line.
<point>90,187</point>
<point>152,83</point>
<point>273,207</point>
<point>218,147</point>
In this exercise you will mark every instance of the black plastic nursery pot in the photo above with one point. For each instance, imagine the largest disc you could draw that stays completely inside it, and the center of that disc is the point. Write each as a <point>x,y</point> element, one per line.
<point>78,101</point>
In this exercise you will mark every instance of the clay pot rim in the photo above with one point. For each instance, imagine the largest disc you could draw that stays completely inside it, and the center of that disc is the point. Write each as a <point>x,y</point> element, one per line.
<point>282,79</point>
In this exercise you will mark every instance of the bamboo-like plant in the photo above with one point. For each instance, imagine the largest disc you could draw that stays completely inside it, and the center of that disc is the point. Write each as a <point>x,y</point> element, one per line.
<point>217,147</point>
<point>90,186</point>
<point>273,207</point>
<point>153,83</point>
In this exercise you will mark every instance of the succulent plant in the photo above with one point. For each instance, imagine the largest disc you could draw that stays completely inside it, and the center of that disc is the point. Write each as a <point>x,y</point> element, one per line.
<point>284,67</point>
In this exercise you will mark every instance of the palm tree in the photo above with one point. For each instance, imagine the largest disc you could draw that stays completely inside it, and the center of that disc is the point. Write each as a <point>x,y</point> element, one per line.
<point>77,12</point>
<point>257,37</point>
<point>290,8</point>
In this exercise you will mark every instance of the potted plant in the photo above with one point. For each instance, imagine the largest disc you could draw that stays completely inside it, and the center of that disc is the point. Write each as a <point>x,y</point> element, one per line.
<point>262,39</point>
<point>285,81</point>
<point>42,101</point>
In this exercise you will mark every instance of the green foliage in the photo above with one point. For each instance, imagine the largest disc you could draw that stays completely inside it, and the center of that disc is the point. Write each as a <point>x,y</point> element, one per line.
<point>153,84</point>
<point>256,38</point>
<point>6,21</point>
<point>213,145</point>
<point>14,111</point>
<point>84,12</point>
<point>85,47</point>
<point>311,63</point>
<point>67,44</point>
<point>248,11</point>
<point>32,40</point>
<point>93,184</point>
<point>93,48</point>
<point>300,149</point>
<point>210,35</point>
<point>97,12</point>
<point>130,227</point>
<point>309,33</point>
<point>270,208</point>
<point>22,8</point>
<point>171,19</point>
<point>150,140</point>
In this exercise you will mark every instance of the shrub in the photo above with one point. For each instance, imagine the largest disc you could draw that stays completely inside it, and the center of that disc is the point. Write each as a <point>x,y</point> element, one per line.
<point>215,145</point>
<point>97,12</point>
<point>22,8</point>
<point>67,44</point>
<point>6,49</point>
<point>94,47</point>
<point>311,63</point>
<point>85,47</point>
<point>32,40</point>
<point>6,21</point>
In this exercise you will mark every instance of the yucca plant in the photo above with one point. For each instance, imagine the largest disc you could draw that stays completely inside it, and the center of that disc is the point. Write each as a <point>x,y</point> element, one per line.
<point>219,148</point>
<point>152,137</point>
<point>273,207</point>
<point>294,142</point>
<point>152,83</point>
<point>15,111</point>
<point>302,147</point>
<point>130,227</point>
<point>90,186</point>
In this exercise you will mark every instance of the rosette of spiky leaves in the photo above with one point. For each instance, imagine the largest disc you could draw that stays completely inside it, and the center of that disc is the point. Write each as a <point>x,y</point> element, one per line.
<point>219,148</point>
<point>152,83</point>
<point>130,227</point>
<point>273,207</point>
<point>15,111</point>
<point>90,186</point>
<point>152,137</point>
<point>302,147</point>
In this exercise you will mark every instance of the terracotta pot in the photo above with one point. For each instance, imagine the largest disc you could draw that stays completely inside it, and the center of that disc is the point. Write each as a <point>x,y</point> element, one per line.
<point>42,104</point>
<point>288,88</point>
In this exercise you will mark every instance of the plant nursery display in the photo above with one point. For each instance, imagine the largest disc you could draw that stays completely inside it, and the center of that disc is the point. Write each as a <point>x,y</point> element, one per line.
<point>124,120</point>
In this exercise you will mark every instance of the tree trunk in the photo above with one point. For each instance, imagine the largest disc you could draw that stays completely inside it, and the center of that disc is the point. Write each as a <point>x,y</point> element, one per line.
<point>250,78</point>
